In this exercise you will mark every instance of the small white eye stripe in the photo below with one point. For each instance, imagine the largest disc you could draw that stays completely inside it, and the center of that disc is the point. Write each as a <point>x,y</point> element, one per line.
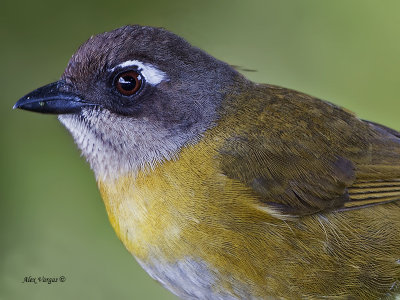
<point>151,74</point>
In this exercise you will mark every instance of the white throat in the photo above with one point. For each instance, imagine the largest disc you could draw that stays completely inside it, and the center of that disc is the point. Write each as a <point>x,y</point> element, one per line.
<point>117,145</point>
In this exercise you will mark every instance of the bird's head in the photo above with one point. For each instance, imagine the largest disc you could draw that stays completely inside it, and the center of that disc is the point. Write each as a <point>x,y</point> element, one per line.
<point>135,96</point>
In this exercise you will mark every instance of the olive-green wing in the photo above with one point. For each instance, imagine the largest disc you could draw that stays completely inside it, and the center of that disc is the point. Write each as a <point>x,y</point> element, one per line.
<point>300,155</point>
<point>378,178</point>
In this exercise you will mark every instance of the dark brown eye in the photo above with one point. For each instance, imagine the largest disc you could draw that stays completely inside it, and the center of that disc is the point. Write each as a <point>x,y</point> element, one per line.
<point>128,83</point>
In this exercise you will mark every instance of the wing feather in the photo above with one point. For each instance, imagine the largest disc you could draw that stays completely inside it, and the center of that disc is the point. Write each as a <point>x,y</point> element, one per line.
<point>301,155</point>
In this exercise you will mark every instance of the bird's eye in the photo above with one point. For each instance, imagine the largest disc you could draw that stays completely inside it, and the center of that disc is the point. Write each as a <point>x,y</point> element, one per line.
<point>128,83</point>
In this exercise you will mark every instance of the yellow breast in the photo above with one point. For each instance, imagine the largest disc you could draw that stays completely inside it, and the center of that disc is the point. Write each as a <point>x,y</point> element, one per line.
<point>187,208</point>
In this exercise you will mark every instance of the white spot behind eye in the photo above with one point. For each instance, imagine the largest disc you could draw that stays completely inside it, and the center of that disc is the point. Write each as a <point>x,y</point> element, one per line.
<point>151,74</point>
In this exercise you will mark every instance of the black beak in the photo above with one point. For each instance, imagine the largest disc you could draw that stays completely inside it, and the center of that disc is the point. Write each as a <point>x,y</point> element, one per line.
<point>52,99</point>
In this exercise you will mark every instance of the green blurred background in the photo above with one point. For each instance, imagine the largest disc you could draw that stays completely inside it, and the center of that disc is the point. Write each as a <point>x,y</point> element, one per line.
<point>52,220</point>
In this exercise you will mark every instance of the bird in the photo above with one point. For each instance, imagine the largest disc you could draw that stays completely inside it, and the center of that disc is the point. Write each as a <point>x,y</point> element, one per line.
<point>222,188</point>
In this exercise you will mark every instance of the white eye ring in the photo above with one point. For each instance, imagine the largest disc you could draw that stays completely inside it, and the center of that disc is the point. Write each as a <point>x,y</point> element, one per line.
<point>151,74</point>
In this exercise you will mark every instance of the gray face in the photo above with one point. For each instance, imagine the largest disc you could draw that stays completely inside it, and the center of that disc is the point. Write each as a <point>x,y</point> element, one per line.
<point>180,91</point>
